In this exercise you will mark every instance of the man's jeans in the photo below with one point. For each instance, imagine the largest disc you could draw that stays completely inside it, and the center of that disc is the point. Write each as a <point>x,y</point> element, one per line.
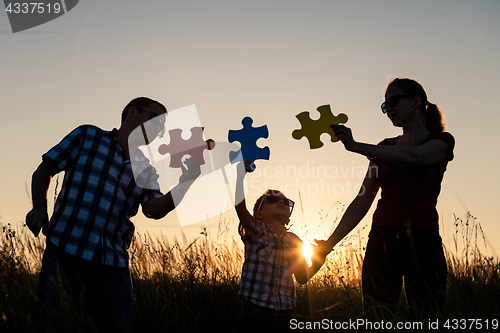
<point>106,290</point>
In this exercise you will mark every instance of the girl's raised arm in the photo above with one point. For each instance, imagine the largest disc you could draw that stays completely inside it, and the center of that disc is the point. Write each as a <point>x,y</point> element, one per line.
<point>240,204</point>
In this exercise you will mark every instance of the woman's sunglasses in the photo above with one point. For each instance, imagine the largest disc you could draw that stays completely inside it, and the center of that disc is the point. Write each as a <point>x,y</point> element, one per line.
<point>275,199</point>
<point>392,102</point>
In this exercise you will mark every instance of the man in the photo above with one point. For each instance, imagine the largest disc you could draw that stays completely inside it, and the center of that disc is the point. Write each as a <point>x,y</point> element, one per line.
<point>90,230</point>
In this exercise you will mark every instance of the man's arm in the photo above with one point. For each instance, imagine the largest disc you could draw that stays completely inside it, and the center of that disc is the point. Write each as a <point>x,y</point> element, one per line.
<point>157,208</point>
<point>38,217</point>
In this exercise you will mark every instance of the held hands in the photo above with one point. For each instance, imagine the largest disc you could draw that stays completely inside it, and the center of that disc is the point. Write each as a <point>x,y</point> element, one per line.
<point>345,135</point>
<point>192,172</point>
<point>37,219</point>
<point>317,256</point>
<point>321,251</point>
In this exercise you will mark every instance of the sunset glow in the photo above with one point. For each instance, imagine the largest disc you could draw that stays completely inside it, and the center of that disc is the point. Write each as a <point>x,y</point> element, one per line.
<point>307,252</point>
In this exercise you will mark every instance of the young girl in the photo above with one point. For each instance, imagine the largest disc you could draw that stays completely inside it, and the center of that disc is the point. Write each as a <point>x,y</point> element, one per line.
<point>272,255</point>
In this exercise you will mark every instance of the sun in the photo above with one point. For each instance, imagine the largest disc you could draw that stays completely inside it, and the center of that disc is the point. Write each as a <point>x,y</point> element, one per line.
<point>307,252</point>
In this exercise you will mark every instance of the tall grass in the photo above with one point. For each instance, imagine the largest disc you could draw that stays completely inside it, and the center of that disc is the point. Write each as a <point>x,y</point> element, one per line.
<point>191,285</point>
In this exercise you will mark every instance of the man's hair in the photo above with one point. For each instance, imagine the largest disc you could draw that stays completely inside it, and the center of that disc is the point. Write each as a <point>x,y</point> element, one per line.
<point>140,103</point>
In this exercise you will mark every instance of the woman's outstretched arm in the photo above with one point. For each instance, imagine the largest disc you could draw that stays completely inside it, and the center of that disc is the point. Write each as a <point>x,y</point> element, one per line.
<point>429,153</point>
<point>357,209</point>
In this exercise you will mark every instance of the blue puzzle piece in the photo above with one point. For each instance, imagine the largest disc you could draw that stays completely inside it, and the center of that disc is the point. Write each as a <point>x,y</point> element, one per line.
<point>248,136</point>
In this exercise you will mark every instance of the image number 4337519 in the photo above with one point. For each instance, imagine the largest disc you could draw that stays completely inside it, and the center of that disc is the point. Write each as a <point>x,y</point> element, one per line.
<point>24,14</point>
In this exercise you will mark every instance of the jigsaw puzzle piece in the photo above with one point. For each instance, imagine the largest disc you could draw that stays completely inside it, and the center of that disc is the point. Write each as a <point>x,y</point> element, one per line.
<point>248,136</point>
<point>312,129</point>
<point>308,130</point>
<point>178,147</point>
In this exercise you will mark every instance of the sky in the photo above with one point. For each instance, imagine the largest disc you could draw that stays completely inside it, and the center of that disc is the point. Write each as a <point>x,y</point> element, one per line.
<point>269,60</point>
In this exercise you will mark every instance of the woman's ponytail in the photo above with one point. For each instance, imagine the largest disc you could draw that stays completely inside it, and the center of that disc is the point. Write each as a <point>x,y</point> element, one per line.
<point>433,118</point>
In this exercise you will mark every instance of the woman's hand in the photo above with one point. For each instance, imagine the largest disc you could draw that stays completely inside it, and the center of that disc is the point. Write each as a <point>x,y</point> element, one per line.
<point>344,134</point>
<point>323,248</point>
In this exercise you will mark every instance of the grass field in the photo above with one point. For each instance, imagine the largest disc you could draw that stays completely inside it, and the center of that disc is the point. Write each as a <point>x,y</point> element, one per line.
<point>191,285</point>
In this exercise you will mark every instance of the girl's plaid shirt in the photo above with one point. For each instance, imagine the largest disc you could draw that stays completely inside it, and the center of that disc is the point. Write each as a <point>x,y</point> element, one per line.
<point>98,196</point>
<point>266,278</point>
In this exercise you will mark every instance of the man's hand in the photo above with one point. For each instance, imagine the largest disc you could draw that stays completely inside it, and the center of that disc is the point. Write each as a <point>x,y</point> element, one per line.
<point>192,172</point>
<point>37,219</point>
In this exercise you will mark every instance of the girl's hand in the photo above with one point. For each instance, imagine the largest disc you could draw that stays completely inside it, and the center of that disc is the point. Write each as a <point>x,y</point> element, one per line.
<point>243,167</point>
<point>345,135</point>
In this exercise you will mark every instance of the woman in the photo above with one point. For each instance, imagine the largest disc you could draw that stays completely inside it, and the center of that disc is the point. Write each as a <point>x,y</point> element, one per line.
<point>404,239</point>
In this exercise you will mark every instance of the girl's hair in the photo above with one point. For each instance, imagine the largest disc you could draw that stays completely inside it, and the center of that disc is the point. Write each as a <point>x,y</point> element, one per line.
<point>431,114</point>
<point>242,230</point>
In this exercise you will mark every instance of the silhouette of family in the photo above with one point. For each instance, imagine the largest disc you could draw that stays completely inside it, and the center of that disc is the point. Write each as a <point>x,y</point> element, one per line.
<point>90,231</point>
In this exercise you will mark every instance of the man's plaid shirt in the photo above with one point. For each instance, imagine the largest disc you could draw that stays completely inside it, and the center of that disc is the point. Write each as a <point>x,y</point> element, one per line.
<point>266,277</point>
<point>98,196</point>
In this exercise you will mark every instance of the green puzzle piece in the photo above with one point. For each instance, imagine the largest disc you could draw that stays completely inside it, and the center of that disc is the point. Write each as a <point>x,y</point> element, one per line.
<point>312,129</point>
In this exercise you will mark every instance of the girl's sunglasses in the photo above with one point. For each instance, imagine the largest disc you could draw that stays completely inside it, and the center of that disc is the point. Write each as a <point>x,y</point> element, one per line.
<point>275,199</point>
<point>392,102</point>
